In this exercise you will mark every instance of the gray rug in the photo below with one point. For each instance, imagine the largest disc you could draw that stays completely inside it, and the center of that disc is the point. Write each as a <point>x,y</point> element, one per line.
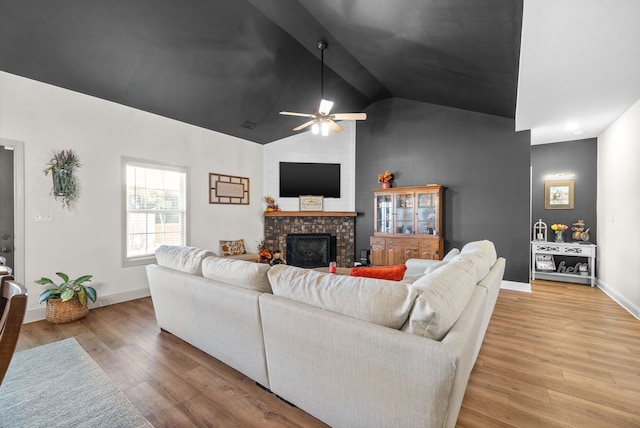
<point>59,385</point>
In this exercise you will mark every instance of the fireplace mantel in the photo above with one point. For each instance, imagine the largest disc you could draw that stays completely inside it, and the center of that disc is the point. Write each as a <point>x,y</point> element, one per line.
<point>310,214</point>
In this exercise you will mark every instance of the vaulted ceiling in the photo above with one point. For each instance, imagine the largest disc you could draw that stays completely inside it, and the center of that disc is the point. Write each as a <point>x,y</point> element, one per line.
<point>232,65</point>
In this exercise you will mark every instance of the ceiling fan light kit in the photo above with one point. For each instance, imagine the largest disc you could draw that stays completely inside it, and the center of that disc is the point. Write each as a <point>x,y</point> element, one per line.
<point>322,121</point>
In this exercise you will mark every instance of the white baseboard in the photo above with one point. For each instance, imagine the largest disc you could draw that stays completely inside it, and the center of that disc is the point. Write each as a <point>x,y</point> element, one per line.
<point>620,299</point>
<point>516,286</point>
<point>40,314</point>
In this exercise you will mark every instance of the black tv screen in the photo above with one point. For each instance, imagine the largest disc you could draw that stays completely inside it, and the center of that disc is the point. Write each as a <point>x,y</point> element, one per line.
<point>317,179</point>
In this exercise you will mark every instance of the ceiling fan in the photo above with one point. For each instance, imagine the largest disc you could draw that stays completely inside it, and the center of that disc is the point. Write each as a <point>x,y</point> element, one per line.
<point>322,120</point>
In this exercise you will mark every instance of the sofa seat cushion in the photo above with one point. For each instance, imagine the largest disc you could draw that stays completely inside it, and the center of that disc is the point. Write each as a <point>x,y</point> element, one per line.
<point>249,275</point>
<point>392,273</point>
<point>181,258</point>
<point>378,301</point>
<point>482,254</point>
<point>443,296</point>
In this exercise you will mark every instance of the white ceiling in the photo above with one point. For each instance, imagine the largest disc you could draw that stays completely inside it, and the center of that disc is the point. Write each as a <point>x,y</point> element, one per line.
<point>580,64</point>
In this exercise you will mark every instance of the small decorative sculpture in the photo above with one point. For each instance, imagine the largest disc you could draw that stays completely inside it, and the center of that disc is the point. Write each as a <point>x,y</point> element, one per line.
<point>579,232</point>
<point>277,259</point>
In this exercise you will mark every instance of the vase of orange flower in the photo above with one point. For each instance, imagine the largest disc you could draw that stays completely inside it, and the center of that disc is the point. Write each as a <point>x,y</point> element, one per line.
<point>385,179</point>
<point>559,229</point>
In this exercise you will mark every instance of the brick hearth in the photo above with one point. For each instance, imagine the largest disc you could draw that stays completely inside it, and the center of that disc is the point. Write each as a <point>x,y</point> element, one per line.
<point>340,224</point>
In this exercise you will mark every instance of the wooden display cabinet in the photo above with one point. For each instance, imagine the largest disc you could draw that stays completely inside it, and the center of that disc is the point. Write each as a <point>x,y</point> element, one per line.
<point>408,224</point>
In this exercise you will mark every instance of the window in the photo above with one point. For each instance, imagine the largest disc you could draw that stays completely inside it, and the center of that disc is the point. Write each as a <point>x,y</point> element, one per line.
<point>155,198</point>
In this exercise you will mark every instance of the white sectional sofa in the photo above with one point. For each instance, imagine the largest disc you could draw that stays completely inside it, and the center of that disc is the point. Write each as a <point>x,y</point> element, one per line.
<point>351,351</point>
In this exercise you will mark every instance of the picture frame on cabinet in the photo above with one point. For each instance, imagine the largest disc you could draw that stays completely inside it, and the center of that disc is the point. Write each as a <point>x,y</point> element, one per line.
<point>559,195</point>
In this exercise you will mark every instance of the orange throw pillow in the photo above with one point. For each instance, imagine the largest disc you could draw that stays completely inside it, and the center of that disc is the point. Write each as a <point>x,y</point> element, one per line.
<point>392,273</point>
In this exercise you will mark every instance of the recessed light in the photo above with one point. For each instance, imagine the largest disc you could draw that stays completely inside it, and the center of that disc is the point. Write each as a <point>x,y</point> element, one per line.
<point>571,126</point>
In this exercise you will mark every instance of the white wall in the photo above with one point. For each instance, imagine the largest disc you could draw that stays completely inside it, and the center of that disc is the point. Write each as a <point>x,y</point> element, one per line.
<point>619,210</point>
<point>306,147</point>
<point>87,239</point>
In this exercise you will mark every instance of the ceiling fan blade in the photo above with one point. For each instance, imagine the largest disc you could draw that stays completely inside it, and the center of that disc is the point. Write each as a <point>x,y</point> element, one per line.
<point>349,116</point>
<point>304,125</point>
<point>291,113</point>
<point>334,126</point>
<point>325,107</point>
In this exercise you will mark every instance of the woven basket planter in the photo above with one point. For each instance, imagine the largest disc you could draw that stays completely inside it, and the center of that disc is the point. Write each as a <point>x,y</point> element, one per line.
<point>59,312</point>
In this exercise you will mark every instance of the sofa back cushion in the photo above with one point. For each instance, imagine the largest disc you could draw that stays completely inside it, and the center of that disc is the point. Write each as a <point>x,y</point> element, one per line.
<point>482,254</point>
<point>378,301</point>
<point>249,275</point>
<point>181,258</point>
<point>443,296</point>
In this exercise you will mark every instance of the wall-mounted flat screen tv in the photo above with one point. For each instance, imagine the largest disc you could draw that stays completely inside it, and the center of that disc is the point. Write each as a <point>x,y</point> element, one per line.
<point>317,179</point>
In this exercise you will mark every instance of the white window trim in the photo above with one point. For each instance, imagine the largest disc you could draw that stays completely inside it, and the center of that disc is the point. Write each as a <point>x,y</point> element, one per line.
<point>145,163</point>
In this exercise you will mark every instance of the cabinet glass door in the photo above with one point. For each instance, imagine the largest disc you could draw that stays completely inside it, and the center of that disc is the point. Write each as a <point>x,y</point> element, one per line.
<point>384,211</point>
<point>427,214</point>
<point>404,213</point>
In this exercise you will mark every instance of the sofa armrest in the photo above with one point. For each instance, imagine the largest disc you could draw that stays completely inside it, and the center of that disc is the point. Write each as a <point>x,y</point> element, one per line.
<point>418,266</point>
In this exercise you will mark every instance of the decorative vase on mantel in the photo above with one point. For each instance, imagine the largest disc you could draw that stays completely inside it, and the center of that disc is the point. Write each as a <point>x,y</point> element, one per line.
<point>386,185</point>
<point>559,237</point>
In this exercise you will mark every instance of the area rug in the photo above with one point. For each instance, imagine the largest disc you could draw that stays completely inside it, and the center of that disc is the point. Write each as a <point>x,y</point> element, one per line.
<point>60,385</point>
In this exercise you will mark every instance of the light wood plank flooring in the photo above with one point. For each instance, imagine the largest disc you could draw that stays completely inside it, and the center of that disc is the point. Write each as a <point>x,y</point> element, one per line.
<point>562,356</point>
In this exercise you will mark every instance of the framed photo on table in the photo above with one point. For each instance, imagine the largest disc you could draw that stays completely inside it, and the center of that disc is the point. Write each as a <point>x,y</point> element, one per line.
<point>558,195</point>
<point>545,262</point>
<point>311,203</point>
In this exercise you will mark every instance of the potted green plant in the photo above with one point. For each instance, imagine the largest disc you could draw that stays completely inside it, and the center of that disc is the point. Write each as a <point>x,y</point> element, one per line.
<point>68,300</point>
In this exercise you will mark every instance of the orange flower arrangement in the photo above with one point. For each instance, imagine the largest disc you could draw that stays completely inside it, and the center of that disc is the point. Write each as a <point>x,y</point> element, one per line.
<point>385,177</point>
<point>265,253</point>
<point>559,227</point>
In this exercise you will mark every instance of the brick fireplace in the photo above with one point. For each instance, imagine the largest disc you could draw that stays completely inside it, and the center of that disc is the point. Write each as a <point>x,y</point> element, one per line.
<point>339,224</point>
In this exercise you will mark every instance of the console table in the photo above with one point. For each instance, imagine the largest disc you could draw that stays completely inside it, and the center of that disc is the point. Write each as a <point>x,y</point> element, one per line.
<point>564,273</point>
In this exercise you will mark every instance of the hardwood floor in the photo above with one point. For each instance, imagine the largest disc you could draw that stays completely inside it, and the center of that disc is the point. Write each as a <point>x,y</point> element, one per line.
<point>563,356</point>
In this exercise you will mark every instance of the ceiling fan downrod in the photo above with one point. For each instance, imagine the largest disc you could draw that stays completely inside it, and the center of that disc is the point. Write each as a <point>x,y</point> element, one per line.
<point>322,45</point>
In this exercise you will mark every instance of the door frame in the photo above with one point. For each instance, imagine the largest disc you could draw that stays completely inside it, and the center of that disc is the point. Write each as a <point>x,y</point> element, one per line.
<point>18,207</point>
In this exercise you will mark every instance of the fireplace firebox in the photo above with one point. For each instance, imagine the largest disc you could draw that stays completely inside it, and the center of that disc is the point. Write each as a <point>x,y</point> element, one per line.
<point>310,250</point>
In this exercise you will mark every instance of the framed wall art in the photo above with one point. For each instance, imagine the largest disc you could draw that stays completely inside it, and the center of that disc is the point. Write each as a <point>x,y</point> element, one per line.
<point>311,203</point>
<point>228,189</point>
<point>558,195</point>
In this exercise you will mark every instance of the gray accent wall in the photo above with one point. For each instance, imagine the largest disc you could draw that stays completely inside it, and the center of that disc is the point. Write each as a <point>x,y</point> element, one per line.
<point>483,163</point>
<point>576,157</point>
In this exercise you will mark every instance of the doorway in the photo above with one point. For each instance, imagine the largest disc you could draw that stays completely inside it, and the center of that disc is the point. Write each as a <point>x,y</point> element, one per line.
<point>12,205</point>
<point>6,205</point>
